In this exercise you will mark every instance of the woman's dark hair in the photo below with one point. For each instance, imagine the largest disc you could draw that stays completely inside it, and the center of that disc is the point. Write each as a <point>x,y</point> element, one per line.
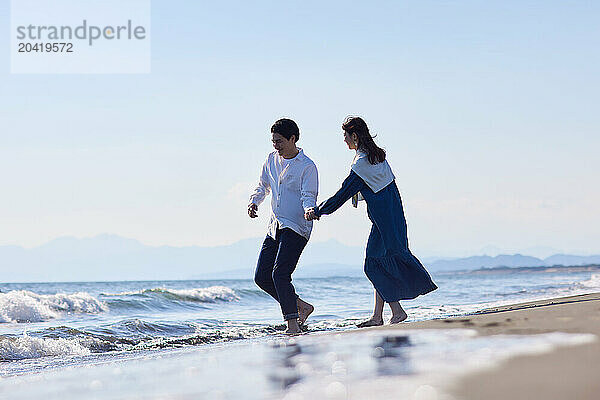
<point>358,126</point>
<point>286,128</point>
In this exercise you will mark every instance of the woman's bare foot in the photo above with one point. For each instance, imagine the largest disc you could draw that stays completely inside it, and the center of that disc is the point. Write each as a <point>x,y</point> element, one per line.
<point>398,318</point>
<point>371,322</point>
<point>398,313</point>
<point>293,327</point>
<point>304,310</point>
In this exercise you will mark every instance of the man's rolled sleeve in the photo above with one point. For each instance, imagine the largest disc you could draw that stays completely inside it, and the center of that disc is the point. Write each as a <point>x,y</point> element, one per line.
<point>263,188</point>
<point>309,188</point>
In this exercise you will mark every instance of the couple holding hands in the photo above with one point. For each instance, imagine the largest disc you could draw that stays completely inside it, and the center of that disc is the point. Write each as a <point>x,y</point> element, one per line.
<point>292,179</point>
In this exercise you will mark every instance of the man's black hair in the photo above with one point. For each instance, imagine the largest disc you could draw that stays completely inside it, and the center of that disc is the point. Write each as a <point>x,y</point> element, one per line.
<point>286,128</point>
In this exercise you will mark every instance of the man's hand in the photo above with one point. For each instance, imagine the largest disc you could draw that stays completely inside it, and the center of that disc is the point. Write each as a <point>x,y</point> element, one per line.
<point>309,215</point>
<point>252,209</point>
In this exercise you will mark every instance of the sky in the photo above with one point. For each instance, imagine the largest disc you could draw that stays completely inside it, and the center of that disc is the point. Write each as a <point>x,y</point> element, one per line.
<point>488,111</point>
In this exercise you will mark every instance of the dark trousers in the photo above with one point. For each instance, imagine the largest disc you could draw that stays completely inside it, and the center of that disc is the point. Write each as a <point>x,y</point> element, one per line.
<point>277,260</point>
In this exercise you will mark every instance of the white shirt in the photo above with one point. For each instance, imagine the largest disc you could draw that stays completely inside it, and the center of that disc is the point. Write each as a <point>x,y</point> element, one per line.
<point>294,184</point>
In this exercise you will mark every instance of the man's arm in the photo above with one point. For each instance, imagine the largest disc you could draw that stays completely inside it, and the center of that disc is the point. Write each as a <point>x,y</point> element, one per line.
<point>309,188</point>
<point>262,190</point>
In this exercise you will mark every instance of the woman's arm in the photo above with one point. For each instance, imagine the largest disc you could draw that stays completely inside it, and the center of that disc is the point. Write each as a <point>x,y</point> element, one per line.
<point>352,185</point>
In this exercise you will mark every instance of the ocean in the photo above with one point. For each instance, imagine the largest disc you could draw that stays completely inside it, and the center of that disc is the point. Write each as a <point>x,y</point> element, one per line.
<point>119,339</point>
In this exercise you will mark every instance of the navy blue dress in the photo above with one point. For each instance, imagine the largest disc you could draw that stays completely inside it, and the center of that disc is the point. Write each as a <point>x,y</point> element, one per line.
<point>395,273</point>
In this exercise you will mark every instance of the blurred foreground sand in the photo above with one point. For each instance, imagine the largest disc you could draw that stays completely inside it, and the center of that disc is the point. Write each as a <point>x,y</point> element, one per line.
<point>567,373</point>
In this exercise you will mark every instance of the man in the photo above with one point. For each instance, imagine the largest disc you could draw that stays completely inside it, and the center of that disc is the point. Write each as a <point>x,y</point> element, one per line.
<point>292,179</point>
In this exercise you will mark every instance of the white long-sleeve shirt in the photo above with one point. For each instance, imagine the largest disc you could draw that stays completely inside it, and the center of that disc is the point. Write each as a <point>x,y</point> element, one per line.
<point>294,185</point>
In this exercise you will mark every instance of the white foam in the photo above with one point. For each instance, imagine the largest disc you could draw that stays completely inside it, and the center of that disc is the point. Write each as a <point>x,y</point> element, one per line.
<point>418,313</point>
<point>593,282</point>
<point>26,347</point>
<point>206,295</point>
<point>26,306</point>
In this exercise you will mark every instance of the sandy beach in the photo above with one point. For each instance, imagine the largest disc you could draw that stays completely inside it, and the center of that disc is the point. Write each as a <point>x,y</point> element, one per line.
<point>566,373</point>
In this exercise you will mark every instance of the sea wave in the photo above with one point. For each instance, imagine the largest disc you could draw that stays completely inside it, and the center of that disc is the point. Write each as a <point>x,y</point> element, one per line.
<point>137,328</point>
<point>202,295</point>
<point>26,306</point>
<point>593,282</point>
<point>126,336</point>
<point>26,347</point>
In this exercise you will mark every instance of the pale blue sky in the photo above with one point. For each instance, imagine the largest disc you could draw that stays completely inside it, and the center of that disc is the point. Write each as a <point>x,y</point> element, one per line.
<point>488,111</point>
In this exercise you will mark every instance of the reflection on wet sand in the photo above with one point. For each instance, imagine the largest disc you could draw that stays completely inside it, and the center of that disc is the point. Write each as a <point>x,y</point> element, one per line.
<point>285,369</point>
<point>392,356</point>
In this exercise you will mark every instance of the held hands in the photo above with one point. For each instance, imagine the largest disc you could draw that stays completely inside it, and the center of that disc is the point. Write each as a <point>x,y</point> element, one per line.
<point>252,209</point>
<point>309,215</point>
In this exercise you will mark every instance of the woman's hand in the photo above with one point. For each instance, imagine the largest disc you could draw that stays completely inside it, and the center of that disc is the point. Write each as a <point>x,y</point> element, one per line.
<point>309,215</point>
<point>252,209</point>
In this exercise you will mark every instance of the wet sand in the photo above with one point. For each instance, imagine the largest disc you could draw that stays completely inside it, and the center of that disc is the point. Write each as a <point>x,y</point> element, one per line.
<point>565,373</point>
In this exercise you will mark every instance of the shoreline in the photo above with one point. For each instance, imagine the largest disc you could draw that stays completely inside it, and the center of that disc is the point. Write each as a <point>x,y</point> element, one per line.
<point>464,357</point>
<point>564,373</point>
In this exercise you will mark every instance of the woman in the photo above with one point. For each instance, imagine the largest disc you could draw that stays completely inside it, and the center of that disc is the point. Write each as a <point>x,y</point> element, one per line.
<point>395,273</point>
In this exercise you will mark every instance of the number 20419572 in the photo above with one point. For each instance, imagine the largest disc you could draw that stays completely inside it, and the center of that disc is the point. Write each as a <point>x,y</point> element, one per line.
<point>45,47</point>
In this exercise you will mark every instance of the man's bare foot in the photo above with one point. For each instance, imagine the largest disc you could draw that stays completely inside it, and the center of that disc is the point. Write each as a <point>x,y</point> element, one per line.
<point>293,327</point>
<point>398,318</point>
<point>304,310</point>
<point>370,322</point>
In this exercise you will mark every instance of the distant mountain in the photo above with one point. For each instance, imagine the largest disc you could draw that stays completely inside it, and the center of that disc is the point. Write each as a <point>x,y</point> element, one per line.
<point>516,260</point>
<point>528,270</point>
<point>535,251</point>
<point>566,259</point>
<point>303,271</point>
<point>111,257</point>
